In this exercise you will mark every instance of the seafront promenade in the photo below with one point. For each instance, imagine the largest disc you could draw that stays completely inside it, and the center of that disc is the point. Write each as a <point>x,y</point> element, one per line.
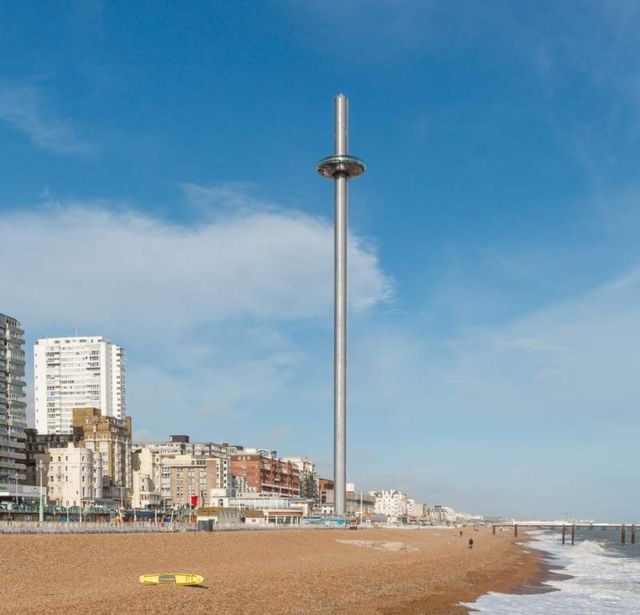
<point>296,571</point>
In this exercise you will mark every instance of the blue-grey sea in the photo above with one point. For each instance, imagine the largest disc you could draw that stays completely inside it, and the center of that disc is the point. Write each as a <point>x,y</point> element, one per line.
<point>603,577</point>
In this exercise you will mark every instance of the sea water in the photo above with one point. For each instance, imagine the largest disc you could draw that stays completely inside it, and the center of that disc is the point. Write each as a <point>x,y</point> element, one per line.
<point>603,577</point>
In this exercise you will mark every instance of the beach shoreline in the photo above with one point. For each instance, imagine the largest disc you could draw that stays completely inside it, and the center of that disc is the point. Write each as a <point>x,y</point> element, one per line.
<point>383,571</point>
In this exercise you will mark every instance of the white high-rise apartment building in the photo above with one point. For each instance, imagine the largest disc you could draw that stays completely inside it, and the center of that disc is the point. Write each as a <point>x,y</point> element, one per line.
<point>77,372</point>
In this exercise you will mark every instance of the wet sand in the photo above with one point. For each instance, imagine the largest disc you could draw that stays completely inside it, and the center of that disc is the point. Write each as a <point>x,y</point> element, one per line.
<point>292,571</point>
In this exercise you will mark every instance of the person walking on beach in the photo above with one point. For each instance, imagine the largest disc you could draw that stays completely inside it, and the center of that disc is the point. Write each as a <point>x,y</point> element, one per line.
<point>471,543</point>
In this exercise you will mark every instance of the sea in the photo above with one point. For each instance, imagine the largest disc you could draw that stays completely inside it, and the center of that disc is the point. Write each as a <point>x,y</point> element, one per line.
<point>596,576</point>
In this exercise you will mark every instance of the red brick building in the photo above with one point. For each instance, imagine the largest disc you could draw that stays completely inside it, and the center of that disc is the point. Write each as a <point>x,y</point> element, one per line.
<point>262,474</point>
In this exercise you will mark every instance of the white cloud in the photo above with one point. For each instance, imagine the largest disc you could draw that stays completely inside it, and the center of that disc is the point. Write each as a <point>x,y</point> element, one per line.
<point>22,108</point>
<point>90,266</point>
<point>577,356</point>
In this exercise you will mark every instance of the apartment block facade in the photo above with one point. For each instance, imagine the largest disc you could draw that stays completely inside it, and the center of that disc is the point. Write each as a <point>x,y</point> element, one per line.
<point>181,445</point>
<point>37,448</point>
<point>13,419</point>
<point>77,372</point>
<point>308,476</point>
<point>259,473</point>
<point>111,437</point>
<point>74,476</point>
<point>196,480</point>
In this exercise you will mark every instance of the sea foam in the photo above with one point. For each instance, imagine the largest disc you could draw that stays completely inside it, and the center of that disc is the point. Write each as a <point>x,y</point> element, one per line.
<point>601,582</point>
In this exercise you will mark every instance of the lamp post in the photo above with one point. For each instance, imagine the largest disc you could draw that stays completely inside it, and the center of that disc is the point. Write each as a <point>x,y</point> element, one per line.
<point>41,509</point>
<point>340,167</point>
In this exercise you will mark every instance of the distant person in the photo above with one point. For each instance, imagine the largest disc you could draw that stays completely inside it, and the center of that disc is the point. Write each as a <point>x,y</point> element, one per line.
<point>471,543</point>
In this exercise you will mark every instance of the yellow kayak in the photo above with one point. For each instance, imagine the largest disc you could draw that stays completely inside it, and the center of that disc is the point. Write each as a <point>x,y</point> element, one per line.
<point>171,578</point>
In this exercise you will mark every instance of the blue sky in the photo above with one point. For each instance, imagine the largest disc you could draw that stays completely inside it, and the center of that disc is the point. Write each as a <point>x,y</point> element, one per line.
<point>158,187</point>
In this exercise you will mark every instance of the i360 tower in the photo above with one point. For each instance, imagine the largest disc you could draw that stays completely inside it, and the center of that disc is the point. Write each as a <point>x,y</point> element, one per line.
<point>340,167</point>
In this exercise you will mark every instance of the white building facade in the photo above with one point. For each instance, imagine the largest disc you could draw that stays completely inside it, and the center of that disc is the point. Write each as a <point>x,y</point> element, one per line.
<point>77,372</point>
<point>391,503</point>
<point>74,477</point>
<point>147,479</point>
<point>442,515</point>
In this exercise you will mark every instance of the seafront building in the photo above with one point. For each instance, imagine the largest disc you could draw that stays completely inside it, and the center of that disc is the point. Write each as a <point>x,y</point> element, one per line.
<point>275,508</point>
<point>356,504</point>
<point>260,471</point>
<point>111,437</point>
<point>308,476</point>
<point>74,476</point>
<point>324,497</point>
<point>77,372</point>
<point>37,448</point>
<point>188,469</point>
<point>390,503</point>
<point>213,475</point>
<point>13,405</point>
<point>196,480</point>
<point>182,445</point>
<point>416,511</point>
<point>359,503</point>
<point>146,471</point>
<point>445,515</point>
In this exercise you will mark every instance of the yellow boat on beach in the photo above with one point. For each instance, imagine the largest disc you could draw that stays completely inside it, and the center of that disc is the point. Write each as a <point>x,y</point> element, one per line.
<point>171,578</point>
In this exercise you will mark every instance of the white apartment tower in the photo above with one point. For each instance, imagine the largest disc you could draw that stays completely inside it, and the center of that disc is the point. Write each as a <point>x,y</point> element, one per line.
<point>77,372</point>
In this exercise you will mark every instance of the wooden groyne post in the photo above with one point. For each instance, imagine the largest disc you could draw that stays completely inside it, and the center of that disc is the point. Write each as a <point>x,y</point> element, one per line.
<point>515,530</point>
<point>622,534</point>
<point>633,534</point>
<point>493,531</point>
<point>564,534</point>
<point>573,534</point>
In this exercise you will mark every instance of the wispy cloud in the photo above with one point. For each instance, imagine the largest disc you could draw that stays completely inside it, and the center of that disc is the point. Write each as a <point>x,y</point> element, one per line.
<point>22,108</point>
<point>261,263</point>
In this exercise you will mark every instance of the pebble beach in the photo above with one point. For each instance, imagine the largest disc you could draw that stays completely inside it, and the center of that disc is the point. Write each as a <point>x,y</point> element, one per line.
<point>383,571</point>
